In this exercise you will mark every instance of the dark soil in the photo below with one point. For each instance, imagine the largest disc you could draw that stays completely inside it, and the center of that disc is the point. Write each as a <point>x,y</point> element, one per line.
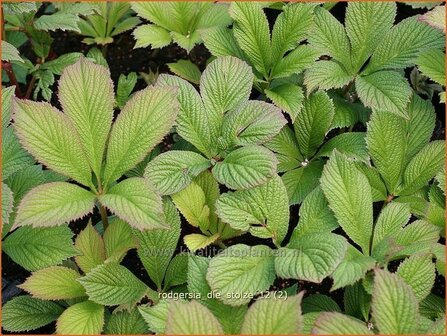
<point>123,59</point>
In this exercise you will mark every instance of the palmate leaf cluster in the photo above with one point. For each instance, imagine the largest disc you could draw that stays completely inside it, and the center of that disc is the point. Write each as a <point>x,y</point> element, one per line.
<point>355,160</point>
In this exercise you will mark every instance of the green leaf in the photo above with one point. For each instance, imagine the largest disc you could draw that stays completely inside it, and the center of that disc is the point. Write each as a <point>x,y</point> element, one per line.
<point>187,70</point>
<point>20,7</point>
<point>54,203</point>
<point>24,313</point>
<point>194,123</point>
<point>423,167</point>
<point>10,53</point>
<point>253,123</point>
<point>91,247</point>
<point>177,271</point>
<point>85,318</point>
<point>310,257</point>
<point>329,37</point>
<point>54,283</point>
<point>357,302</point>
<point>50,137</point>
<point>285,147</point>
<point>402,44</point>
<point>386,91</point>
<point>135,201</point>
<point>324,75</point>
<point>432,306</point>
<point>288,97</point>
<point>301,181</point>
<point>7,96</point>
<point>172,171</point>
<point>7,203</point>
<point>37,248</point>
<point>366,24</point>
<point>386,141</point>
<point>431,64</point>
<point>57,21</point>
<point>220,41</point>
<point>241,271</point>
<point>126,323</point>
<point>197,241</point>
<point>14,157</point>
<point>313,122</point>
<point>186,42</point>
<point>274,316</point>
<point>151,35</point>
<point>118,239</point>
<point>338,324</point>
<point>315,215</point>
<point>351,144</point>
<point>57,65</point>
<point>291,27</point>
<point>246,167</point>
<point>265,206</point>
<point>251,30</point>
<point>435,18</point>
<point>191,318</point>
<point>112,284</point>
<point>303,57</point>
<point>197,269</point>
<point>378,188</point>
<point>156,316</point>
<point>141,125</point>
<point>438,327</point>
<point>391,219</point>
<point>394,306</point>
<point>156,247</point>
<point>231,318</point>
<point>352,268</point>
<point>225,84</point>
<point>319,303</point>
<point>126,84</point>
<point>349,196</point>
<point>418,271</point>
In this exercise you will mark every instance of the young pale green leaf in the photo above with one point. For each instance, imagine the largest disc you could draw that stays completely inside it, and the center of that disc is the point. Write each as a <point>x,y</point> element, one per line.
<point>438,327</point>
<point>285,147</point>
<point>386,91</point>
<point>418,271</point>
<point>54,203</point>
<point>420,126</point>
<point>313,122</point>
<point>112,284</point>
<point>246,167</point>
<point>141,125</point>
<point>253,123</point>
<point>172,171</point>
<point>24,313</point>
<point>10,53</point>
<point>265,205</point>
<point>241,271</point>
<point>403,43</point>
<point>214,15</point>
<point>394,306</point>
<point>315,215</point>
<point>7,203</point>
<point>386,141</point>
<point>156,247</point>
<point>151,35</point>
<point>351,144</point>
<point>309,321</point>
<point>296,61</point>
<point>197,241</point>
<point>349,195</point>
<point>289,97</point>
<point>91,248</point>
<point>324,75</point>
<point>251,30</point>
<point>191,202</point>
<point>423,167</point>
<point>366,24</point>
<point>435,17</point>
<point>135,201</point>
<point>301,181</point>
<point>191,318</point>
<point>329,37</point>
<point>186,42</point>
<point>225,84</point>
<point>87,98</point>
<point>156,316</point>
<point>291,27</point>
<point>118,239</point>
<point>187,70</point>
<point>334,323</point>
<point>352,268</point>
<point>126,323</point>
<point>431,64</point>
<point>194,123</point>
<point>390,221</point>
<point>311,257</point>
<point>37,248</point>
<point>85,318</point>
<point>273,316</point>
<point>54,283</point>
<point>50,137</point>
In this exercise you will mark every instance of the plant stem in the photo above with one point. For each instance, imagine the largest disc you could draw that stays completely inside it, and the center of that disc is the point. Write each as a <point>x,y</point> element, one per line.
<point>12,77</point>
<point>104,218</point>
<point>29,90</point>
<point>221,244</point>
